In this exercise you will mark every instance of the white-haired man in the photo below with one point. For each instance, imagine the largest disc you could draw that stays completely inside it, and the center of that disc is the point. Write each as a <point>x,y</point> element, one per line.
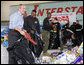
<point>16,31</point>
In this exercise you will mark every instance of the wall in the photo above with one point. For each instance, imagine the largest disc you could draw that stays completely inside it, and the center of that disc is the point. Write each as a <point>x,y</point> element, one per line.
<point>5,7</point>
<point>56,7</point>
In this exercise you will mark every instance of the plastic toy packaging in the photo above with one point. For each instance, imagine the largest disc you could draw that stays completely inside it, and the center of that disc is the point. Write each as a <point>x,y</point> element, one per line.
<point>45,60</point>
<point>78,60</point>
<point>66,57</point>
<point>80,49</point>
<point>5,44</point>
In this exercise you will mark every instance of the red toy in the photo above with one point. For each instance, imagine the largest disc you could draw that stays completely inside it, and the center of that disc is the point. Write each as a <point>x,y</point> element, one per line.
<point>28,37</point>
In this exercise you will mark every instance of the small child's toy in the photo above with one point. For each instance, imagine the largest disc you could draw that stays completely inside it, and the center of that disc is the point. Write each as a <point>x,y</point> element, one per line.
<point>28,37</point>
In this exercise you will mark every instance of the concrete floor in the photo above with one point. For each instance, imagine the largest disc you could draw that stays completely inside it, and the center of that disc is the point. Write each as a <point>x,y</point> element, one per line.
<point>4,55</point>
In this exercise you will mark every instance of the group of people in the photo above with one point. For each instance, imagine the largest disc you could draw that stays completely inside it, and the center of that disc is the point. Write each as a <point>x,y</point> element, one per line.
<point>73,32</point>
<point>21,23</point>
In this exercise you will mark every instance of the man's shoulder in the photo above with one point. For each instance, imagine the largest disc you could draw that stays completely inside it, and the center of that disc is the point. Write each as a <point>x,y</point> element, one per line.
<point>46,18</point>
<point>28,16</point>
<point>36,18</point>
<point>78,26</point>
<point>14,14</point>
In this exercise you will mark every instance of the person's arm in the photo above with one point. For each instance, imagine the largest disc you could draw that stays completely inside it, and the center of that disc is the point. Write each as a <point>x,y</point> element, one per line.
<point>26,25</point>
<point>21,31</point>
<point>46,24</point>
<point>15,23</point>
<point>59,26</point>
<point>38,29</point>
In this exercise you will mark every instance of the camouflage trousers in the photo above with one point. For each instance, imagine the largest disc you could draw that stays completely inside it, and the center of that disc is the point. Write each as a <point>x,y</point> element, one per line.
<point>45,37</point>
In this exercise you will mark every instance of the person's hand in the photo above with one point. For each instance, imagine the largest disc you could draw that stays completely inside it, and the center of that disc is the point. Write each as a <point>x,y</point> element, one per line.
<point>24,30</point>
<point>22,33</point>
<point>32,31</point>
<point>72,36</point>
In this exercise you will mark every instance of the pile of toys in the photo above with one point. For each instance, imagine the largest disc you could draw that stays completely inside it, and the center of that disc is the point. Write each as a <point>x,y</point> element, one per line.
<point>73,56</point>
<point>4,40</point>
<point>4,36</point>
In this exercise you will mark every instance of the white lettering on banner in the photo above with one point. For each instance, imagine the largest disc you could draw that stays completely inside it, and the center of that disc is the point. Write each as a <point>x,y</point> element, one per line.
<point>64,17</point>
